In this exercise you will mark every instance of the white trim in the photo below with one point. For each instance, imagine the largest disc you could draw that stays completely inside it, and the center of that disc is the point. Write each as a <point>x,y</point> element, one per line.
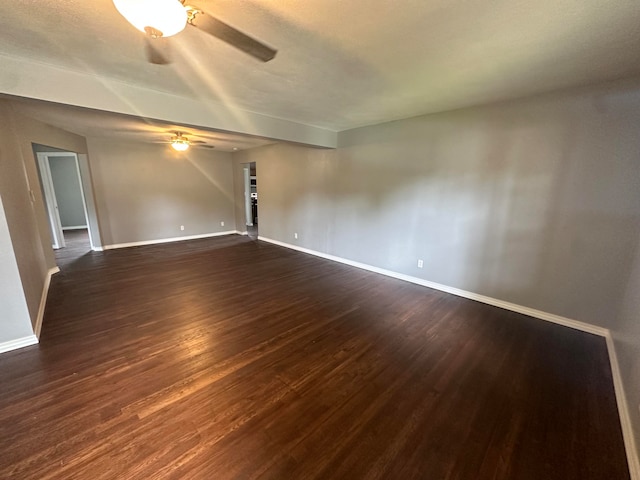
<point>51,204</point>
<point>550,317</point>
<point>97,249</point>
<point>248,211</point>
<point>75,227</point>
<point>83,196</point>
<point>623,408</point>
<point>623,411</point>
<point>43,300</point>
<point>242,233</point>
<point>18,343</point>
<point>166,240</point>
<point>88,199</point>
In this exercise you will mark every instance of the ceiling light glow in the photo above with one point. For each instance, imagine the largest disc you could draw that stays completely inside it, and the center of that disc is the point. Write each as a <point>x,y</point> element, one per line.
<point>166,16</point>
<point>180,144</point>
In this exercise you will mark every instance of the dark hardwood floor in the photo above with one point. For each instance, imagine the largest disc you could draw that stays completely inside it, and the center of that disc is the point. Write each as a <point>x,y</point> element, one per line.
<point>229,358</point>
<point>77,245</point>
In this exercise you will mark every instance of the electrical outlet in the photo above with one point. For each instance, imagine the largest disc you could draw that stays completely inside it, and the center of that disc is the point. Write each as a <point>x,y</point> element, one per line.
<point>222,224</point>
<point>420,263</point>
<point>181,227</point>
<point>295,235</point>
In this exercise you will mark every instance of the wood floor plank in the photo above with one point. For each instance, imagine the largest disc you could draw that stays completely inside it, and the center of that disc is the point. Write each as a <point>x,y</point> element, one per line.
<point>230,358</point>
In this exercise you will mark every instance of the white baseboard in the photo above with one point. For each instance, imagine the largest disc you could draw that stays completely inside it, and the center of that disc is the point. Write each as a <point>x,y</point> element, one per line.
<point>33,339</point>
<point>165,240</point>
<point>76,227</point>
<point>532,312</point>
<point>623,411</point>
<point>623,408</point>
<point>43,300</point>
<point>18,343</point>
<point>97,249</point>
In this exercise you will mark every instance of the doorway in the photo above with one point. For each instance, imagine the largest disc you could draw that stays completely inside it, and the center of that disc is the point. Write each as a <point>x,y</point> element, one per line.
<point>251,199</point>
<point>65,204</point>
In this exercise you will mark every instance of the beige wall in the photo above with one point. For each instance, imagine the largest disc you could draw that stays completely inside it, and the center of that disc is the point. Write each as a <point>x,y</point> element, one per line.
<point>142,193</point>
<point>26,219</point>
<point>14,315</point>
<point>535,202</point>
<point>20,212</point>
<point>145,191</point>
<point>295,193</point>
<point>31,131</point>
<point>626,335</point>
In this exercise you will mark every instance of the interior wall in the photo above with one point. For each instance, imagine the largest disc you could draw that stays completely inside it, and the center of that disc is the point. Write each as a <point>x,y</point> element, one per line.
<point>22,197</point>
<point>535,202</point>
<point>295,193</point>
<point>145,192</point>
<point>14,315</point>
<point>44,148</point>
<point>25,247</point>
<point>32,132</point>
<point>626,336</point>
<point>66,183</point>
<point>15,322</point>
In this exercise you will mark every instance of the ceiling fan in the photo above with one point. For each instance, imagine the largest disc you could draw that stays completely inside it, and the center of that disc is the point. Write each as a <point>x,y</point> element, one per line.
<point>180,142</point>
<point>160,19</point>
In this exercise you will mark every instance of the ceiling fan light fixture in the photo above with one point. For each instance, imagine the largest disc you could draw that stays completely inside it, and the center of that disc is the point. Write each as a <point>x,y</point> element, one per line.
<point>165,16</point>
<point>180,144</point>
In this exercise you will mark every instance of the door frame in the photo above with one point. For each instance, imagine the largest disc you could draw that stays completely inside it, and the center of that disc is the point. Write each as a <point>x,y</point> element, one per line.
<point>248,214</point>
<point>57,236</point>
<point>50,197</point>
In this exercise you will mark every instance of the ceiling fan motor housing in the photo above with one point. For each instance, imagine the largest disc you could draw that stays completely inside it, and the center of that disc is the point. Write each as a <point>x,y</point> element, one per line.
<point>167,17</point>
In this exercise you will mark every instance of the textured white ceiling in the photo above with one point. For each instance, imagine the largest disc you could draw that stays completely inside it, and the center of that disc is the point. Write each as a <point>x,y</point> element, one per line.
<point>94,123</point>
<point>342,63</point>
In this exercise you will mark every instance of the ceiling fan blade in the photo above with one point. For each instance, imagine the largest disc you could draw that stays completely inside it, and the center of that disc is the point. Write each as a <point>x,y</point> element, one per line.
<point>230,35</point>
<point>157,50</point>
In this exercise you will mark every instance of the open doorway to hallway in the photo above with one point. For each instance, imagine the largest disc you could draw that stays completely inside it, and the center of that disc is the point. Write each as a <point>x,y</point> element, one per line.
<point>65,205</point>
<point>251,199</point>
